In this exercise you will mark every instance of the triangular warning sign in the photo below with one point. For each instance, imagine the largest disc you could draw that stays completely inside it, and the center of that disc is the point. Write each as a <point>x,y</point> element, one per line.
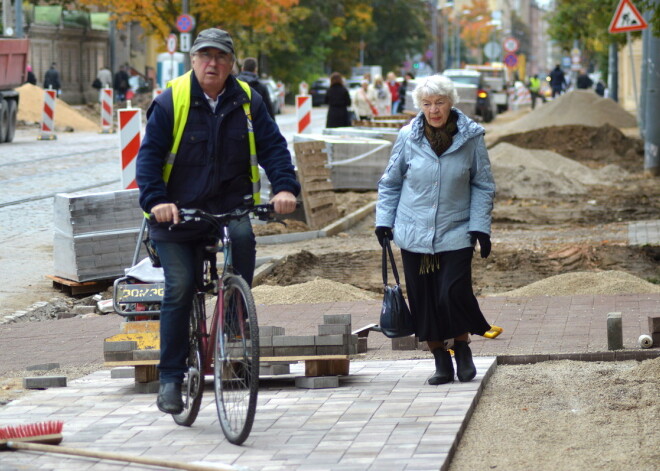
<point>627,18</point>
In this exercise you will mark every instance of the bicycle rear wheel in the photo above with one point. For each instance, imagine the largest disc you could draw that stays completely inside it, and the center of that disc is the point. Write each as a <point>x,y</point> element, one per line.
<point>193,382</point>
<point>236,360</point>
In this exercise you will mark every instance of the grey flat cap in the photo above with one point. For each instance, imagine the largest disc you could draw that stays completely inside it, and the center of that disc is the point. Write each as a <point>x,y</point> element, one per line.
<point>213,37</point>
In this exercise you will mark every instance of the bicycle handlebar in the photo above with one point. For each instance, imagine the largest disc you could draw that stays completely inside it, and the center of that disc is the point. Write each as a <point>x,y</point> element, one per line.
<point>263,212</point>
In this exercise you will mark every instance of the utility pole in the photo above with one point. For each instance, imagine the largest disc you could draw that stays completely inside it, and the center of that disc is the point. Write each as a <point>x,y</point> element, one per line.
<point>186,56</point>
<point>18,17</point>
<point>613,72</point>
<point>651,98</point>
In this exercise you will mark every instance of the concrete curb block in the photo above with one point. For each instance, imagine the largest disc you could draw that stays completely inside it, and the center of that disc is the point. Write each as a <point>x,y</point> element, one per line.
<point>336,227</point>
<point>348,220</point>
<point>265,269</point>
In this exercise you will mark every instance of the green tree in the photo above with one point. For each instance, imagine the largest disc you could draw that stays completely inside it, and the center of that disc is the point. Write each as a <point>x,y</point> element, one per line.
<point>587,21</point>
<point>403,30</point>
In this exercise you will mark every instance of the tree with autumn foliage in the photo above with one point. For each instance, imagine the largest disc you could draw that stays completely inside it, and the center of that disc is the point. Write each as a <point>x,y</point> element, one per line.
<point>158,17</point>
<point>476,28</point>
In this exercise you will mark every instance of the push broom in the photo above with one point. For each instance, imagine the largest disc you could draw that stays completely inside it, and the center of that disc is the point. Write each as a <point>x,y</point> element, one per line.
<point>45,437</point>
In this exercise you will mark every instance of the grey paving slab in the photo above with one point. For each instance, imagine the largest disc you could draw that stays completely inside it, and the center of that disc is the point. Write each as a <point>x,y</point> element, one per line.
<point>382,416</point>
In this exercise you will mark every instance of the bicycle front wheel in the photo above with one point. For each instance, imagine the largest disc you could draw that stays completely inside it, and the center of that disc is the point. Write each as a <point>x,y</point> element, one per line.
<point>193,382</point>
<point>236,360</point>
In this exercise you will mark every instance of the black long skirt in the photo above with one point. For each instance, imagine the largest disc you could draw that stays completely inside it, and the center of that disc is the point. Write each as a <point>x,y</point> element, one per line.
<point>441,300</point>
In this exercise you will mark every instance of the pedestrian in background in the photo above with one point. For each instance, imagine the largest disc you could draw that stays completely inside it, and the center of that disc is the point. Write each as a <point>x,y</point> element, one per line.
<point>403,89</point>
<point>534,87</point>
<point>211,171</point>
<point>338,100</point>
<point>583,81</point>
<point>435,200</point>
<point>557,81</point>
<point>382,97</point>
<point>105,77</point>
<point>364,102</point>
<point>31,78</point>
<point>52,79</point>
<point>121,84</point>
<point>249,74</point>
<point>393,87</point>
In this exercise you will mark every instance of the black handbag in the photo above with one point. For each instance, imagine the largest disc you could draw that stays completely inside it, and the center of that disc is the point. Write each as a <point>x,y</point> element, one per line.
<point>395,318</point>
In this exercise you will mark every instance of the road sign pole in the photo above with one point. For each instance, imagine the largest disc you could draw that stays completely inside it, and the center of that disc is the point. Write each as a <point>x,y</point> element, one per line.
<point>632,68</point>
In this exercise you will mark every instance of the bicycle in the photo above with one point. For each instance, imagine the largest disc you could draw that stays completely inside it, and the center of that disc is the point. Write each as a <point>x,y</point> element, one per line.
<point>229,348</point>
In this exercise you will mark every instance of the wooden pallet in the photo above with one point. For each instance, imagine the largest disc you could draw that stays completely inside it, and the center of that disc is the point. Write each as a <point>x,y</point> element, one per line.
<point>319,199</point>
<point>315,365</point>
<point>79,287</point>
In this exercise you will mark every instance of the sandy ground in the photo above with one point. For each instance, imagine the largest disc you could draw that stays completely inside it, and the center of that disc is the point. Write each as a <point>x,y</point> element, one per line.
<point>565,196</point>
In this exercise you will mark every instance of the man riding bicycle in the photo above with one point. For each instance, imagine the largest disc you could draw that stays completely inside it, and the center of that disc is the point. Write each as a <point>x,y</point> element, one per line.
<point>205,135</point>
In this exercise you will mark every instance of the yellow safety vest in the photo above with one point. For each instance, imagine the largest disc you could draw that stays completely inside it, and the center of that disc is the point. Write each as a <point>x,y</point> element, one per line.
<point>534,84</point>
<point>181,87</point>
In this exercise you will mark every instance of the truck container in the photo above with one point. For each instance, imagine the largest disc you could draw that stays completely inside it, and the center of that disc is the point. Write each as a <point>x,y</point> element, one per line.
<point>13,68</point>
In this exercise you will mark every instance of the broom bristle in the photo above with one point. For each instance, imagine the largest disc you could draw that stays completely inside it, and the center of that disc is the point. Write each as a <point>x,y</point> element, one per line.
<point>31,430</point>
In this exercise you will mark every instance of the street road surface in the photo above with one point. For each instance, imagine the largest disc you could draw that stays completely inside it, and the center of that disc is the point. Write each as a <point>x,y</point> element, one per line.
<point>32,172</point>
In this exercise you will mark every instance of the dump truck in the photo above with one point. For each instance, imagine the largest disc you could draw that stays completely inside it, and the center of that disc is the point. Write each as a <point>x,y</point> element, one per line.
<point>13,69</point>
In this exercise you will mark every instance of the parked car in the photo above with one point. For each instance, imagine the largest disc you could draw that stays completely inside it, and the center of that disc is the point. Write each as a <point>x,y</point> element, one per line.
<point>319,90</point>
<point>475,97</point>
<point>274,94</point>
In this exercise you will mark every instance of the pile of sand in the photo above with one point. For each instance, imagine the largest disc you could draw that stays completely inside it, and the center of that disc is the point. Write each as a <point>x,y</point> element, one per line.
<point>526,173</point>
<point>319,290</point>
<point>31,106</point>
<point>576,107</point>
<point>568,284</point>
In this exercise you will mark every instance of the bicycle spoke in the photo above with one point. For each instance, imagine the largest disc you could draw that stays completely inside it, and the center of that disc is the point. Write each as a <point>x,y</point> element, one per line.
<point>193,383</point>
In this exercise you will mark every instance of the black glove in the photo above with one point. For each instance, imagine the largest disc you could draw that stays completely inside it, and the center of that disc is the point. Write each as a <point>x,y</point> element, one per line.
<point>484,242</point>
<point>382,232</point>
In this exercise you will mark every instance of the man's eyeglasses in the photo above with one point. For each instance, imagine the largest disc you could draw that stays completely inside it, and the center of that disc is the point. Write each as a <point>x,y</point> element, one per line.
<point>221,58</point>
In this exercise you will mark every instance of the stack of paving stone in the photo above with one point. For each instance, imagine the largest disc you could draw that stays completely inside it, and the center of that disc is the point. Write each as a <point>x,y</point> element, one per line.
<point>334,338</point>
<point>95,234</point>
<point>127,350</point>
<point>356,163</point>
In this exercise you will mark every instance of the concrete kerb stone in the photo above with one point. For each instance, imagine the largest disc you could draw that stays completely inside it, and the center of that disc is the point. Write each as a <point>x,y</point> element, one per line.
<point>349,220</point>
<point>329,230</point>
<point>267,266</point>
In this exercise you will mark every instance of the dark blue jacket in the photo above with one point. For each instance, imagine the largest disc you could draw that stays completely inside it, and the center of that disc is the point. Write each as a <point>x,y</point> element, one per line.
<point>211,170</point>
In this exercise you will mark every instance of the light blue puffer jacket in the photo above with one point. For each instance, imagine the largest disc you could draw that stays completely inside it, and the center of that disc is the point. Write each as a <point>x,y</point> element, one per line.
<point>433,202</point>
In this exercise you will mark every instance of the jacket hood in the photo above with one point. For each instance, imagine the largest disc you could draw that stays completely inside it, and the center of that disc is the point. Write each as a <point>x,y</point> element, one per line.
<point>467,129</point>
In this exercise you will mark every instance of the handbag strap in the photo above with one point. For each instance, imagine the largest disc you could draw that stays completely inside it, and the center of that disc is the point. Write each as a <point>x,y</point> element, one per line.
<point>387,249</point>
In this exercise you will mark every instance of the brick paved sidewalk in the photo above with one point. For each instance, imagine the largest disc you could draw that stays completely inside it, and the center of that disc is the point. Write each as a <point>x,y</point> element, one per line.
<point>382,417</point>
<point>533,328</point>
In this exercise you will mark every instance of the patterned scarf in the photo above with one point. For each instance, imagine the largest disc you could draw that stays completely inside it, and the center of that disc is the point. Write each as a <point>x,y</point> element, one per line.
<point>442,138</point>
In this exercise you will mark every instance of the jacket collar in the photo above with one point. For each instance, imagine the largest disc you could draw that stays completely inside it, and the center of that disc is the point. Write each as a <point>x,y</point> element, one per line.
<point>467,129</point>
<point>232,92</point>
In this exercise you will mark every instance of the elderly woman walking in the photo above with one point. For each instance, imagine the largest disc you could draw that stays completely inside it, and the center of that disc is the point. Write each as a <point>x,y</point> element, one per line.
<point>435,200</point>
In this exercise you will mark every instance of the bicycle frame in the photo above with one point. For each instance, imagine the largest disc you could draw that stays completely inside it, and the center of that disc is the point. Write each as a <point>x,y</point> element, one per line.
<point>209,336</point>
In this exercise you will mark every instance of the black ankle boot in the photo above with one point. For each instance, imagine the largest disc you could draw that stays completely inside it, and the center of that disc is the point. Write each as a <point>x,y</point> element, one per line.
<point>444,368</point>
<point>169,398</point>
<point>465,369</point>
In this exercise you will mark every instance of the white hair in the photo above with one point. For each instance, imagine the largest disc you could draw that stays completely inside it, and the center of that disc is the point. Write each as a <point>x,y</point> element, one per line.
<point>435,85</point>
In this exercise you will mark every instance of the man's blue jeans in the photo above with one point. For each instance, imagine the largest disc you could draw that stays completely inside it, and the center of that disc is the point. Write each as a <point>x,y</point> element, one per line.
<point>181,263</point>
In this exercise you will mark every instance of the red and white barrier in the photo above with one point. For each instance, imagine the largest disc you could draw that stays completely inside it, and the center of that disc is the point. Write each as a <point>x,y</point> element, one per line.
<point>304,113</point>
<point>48,116</point>
<point>106,110</point>
<point>130,125</point>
